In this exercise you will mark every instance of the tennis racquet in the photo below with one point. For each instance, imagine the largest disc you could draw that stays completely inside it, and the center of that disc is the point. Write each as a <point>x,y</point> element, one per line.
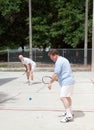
<point>46,79</point>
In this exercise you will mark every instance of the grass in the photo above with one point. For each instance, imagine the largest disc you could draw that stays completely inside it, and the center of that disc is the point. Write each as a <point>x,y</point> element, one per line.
<point>3,65</point>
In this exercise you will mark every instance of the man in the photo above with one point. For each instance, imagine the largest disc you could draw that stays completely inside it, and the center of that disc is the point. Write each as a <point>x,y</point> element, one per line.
<point>29,66</point>
<point>63,73</point>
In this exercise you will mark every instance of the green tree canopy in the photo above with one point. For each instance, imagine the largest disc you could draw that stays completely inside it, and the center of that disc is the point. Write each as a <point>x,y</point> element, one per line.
<point>57,23</point>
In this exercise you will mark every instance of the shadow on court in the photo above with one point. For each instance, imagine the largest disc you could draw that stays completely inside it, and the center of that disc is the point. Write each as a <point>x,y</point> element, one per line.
<point>79,114</point>
<point>4,97</point>
<point>6,80</point>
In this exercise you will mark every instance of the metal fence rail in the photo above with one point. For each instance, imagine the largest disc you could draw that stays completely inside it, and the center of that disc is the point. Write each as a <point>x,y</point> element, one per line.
<point>75,56</point>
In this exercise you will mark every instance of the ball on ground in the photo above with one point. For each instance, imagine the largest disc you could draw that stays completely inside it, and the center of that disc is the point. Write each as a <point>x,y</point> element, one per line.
<point>30,98</point>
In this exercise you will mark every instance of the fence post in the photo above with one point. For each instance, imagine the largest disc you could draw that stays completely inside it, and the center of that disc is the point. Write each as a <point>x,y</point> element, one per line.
<point>93,40</point>
<point>35,54</point>
<point>8,56</point>
<point>86,33</point>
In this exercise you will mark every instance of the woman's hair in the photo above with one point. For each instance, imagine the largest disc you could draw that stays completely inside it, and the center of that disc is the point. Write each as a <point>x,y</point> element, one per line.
<point>53,52</point>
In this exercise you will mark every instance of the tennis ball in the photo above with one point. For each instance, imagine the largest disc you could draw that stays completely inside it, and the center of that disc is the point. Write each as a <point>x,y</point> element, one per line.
<point>30,98</point>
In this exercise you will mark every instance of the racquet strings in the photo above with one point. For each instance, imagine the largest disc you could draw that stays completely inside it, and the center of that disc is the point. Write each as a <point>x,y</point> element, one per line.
<point>46,79</point>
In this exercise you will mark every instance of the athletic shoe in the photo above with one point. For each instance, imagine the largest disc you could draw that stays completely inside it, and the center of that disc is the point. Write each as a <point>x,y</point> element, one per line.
<point>64,114</point>
<point>28,82</point>
<point>67,119</point>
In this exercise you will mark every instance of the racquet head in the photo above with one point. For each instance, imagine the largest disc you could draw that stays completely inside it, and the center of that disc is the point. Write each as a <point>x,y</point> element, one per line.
<point>46,79</point>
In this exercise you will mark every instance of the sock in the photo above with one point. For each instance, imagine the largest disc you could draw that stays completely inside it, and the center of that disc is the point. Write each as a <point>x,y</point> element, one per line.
<point>28,80</point>
<point>69,112</point>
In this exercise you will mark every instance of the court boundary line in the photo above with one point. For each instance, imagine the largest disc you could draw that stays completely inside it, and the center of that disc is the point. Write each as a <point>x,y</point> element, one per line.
<point>42,110</point>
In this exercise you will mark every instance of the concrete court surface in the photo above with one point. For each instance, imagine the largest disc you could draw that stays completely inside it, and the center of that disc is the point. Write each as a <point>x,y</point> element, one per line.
<point>18,112</point>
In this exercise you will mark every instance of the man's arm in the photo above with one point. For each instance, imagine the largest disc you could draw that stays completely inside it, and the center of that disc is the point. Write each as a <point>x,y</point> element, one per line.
<point>54,78</point>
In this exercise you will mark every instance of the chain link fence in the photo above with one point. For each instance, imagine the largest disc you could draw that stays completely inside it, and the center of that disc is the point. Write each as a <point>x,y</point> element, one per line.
<point>75,56</point>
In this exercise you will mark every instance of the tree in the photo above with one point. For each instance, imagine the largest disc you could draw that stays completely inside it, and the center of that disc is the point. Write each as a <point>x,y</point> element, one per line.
<point>57,23</point>
<point>14,28</point>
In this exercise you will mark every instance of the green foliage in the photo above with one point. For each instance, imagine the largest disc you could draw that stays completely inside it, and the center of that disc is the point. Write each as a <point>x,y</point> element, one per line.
<point>57,23</point>
<point>13,28</point>
<point>9,6</point>
<point>64,23</point>
<point>72,20</point>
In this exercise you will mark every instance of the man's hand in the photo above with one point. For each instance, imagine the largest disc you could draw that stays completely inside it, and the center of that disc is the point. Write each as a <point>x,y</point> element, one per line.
<point>49,86</point>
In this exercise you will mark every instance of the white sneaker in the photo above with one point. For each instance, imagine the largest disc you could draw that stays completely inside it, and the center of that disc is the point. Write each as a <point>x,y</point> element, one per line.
<point>67,119</point>
<point>28,82</point>
<point>64,114</point>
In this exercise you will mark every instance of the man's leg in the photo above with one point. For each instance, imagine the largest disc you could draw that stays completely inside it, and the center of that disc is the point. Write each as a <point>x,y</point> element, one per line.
<point>27,74</point>
<point>33,68</point>
<point>65,97</point>
<point>28,77</point>
<point>67,104</point>
<point>32,77</point>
